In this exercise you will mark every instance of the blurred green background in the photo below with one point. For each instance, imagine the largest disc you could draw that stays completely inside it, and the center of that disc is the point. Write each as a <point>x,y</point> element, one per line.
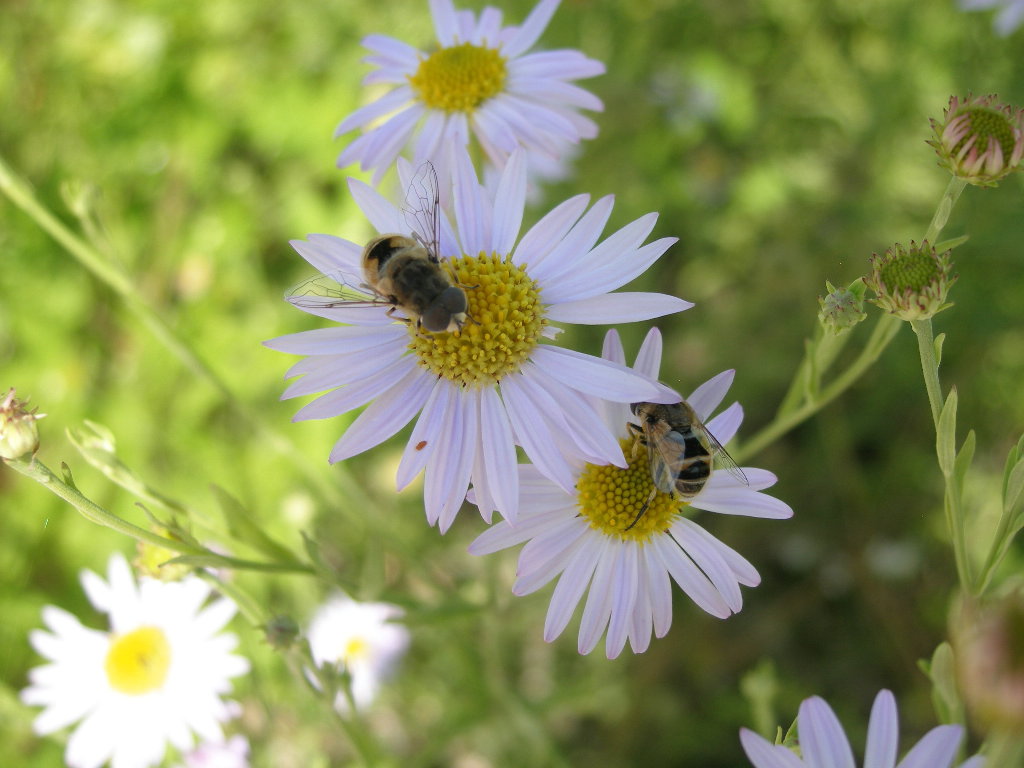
<point>782,141</point>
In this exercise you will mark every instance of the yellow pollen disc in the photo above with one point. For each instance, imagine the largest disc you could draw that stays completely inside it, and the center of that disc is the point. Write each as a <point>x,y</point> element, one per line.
<point>355,649</point>
<point>137,662</point>
<point>504,325</point>
<point>611,497</point>
<point>460,78</point>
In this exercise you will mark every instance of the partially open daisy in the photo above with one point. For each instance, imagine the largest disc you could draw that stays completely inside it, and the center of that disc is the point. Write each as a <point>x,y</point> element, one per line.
<point>480,80</point>
<point>365,640</point>
<point>591,536</point>
<point>824,745</point>
<point>156,677</point>
<point>493,384</point>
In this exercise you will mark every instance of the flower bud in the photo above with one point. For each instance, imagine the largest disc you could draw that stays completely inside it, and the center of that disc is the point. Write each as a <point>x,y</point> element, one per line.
<point>989,642</point>
<point>281,631</point>
<point>979,140</point>
<point>19,434</point>
<point>842,308</point>
<point>911,283</point>
<point>152,559</point>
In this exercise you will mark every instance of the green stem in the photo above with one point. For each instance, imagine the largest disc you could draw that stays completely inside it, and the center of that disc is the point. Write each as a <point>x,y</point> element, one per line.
<point>351,495</point>
<point>884,332</point>
<point>944,208</point>
<point>36,470</point>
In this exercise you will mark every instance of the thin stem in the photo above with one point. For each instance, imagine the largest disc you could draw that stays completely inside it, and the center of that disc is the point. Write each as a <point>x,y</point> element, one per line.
<point>883,333</point>
<point>90,510</point>
<point>351,495</point>
<point>945,207</point>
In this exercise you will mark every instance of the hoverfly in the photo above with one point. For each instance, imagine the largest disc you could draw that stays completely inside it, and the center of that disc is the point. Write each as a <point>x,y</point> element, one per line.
<point>403,272</point>
<point>680,450</point>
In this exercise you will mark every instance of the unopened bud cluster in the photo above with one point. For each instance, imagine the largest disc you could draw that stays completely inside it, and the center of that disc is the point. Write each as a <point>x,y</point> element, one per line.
<point>911,283</point>
<point>19,435</point>
<point>842,308</point>
<point>979,140</point>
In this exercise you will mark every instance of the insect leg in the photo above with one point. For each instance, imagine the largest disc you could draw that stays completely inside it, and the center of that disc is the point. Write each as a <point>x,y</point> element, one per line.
<point>643,509</point>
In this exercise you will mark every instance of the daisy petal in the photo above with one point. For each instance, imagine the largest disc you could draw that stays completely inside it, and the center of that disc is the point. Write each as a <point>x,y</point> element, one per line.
<point>709,395</point>
<point>597,377</point>
<point>937,749</point>
<point>648,359</point>
<point>391,411</point>
<point>764,754</point>
<point>883,733</point>
<point>821,736</point>
<point>573,584</point>
<point>509,203</point>
<point>742,502</point>
<point>499,454</point>
<point>531,30</point>
<point>617,308</point>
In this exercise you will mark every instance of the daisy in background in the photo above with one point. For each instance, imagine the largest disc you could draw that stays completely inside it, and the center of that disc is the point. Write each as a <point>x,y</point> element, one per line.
<point>155,678</point>
<point>589,535</point>
<point>364,640</point>
<point>824,745</point>
<point>480,81</point>
<point>233,753</point>
<point>1010,16</point>
<point>483,390</point>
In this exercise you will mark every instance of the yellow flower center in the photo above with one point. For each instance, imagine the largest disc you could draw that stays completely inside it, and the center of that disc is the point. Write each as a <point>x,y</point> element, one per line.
<point>610,498</point>
<point>137,662</point>
<point>355,649</point>
<point>504,326</point>
<point>460,78</point>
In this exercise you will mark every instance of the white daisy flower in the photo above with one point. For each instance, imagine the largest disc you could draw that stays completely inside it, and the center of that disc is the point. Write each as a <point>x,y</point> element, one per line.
<point>155,678</point>
<point>483,390</point>
<point>363,639</point>
<point>480,81</point>
<point>824,745</point>
<point>591,535</point>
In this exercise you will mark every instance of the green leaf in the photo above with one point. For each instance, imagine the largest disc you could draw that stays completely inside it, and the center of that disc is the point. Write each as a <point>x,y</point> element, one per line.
<point>316,558</point>
<point>939,341</point>
<point>945,439</point>
<point>243,528</point>
<point>65,473</point>
<point>942,672</point>
<point>1012,496</point>
<point>953,242</point>
<point>98,446</point>
<point>963,460</point>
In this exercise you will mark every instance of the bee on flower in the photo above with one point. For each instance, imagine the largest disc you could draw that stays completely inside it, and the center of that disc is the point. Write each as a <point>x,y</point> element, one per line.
<point>625,534</point>
<point>486,382</point>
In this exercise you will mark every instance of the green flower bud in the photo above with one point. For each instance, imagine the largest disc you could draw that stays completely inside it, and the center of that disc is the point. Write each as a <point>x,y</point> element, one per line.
<point>979,141</point>
<point>281,632</point>
<point>911,283</point>
<point>19,435</point>
<point>842,308</point>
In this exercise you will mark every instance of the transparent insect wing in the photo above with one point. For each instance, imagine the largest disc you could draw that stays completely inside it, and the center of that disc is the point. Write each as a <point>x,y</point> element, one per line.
<point>722,457</point>
<point>422,209</point>
<point>665,453</point>
<point>335,296</point>
<point>327,291</point>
